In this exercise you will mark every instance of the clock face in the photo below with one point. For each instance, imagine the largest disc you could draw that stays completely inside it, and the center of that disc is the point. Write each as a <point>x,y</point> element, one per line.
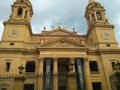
<point>13,33</point>
<point>106,35</point>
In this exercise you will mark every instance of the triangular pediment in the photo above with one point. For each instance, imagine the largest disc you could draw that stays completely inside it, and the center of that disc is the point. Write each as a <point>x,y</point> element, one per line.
<point>62,43</point>
<point>59,32</point>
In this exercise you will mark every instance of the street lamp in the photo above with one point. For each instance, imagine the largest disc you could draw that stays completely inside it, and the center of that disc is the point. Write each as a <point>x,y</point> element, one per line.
<point>19,80</point>
<point>21,68</point>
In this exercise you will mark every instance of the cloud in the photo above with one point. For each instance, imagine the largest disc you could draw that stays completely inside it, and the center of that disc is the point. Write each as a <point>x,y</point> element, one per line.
<point>116,21</point>
<point>1,29</point>
<point>67,12</point>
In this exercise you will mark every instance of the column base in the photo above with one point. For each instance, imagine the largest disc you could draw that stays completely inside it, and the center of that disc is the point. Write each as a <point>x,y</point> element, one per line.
<point>72,83</point>
<point>55,82</point>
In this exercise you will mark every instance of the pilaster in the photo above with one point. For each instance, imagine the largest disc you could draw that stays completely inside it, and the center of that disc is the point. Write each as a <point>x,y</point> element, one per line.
<point>40,72</point>
<point>72,65</point>
<point>88,83</point>
<point>55,73</point>
<point>72,75</point>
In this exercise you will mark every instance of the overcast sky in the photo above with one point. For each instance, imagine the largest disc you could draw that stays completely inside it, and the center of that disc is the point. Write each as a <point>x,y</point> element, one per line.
<point>69,12</point>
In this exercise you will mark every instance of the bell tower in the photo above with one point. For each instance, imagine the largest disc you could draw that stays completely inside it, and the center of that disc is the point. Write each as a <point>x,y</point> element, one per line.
<point>21,10</point>
<point>100,31</point>
<point>18,28</point>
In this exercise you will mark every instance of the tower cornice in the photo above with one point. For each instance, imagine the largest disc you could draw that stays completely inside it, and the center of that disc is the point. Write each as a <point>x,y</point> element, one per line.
<point>104,26</point>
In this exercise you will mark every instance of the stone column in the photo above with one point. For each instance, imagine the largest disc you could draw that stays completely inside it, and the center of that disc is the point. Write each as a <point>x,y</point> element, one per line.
<point>40,72</point>
<point>23,13</point>
<point>88,83</point>
<point>95,16</point>
<point>72,65</point>
<point>72,84</point>
<point>55,74</point>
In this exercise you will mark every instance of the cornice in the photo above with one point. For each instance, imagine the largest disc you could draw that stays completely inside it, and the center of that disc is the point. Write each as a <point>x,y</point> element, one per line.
<point>99,25</point>
<point>18,22</point>
<point>109,51</point>
<point>43,35</point>
<point>62,49</point>
<point>17,50</point>
<point>105,51</point>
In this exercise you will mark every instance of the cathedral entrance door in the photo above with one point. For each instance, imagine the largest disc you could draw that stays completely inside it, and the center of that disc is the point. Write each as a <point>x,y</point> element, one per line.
<point>62,73</point>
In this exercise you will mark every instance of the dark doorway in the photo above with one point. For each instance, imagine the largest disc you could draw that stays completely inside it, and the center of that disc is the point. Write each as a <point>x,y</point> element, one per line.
<point>3,89</point>
<point>28,86</point>
<point>61,88</point>
<point>96,86</point>
<point>63,70</point>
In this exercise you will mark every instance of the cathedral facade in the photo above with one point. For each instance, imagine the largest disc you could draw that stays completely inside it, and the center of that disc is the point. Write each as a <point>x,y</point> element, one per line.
<point>57,59</point>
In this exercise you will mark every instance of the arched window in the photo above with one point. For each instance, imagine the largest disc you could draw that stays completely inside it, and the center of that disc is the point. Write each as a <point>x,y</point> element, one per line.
<point>20,12</point>
<point>93,18</point>
<point>25,14</point>
<point>98,14</point>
